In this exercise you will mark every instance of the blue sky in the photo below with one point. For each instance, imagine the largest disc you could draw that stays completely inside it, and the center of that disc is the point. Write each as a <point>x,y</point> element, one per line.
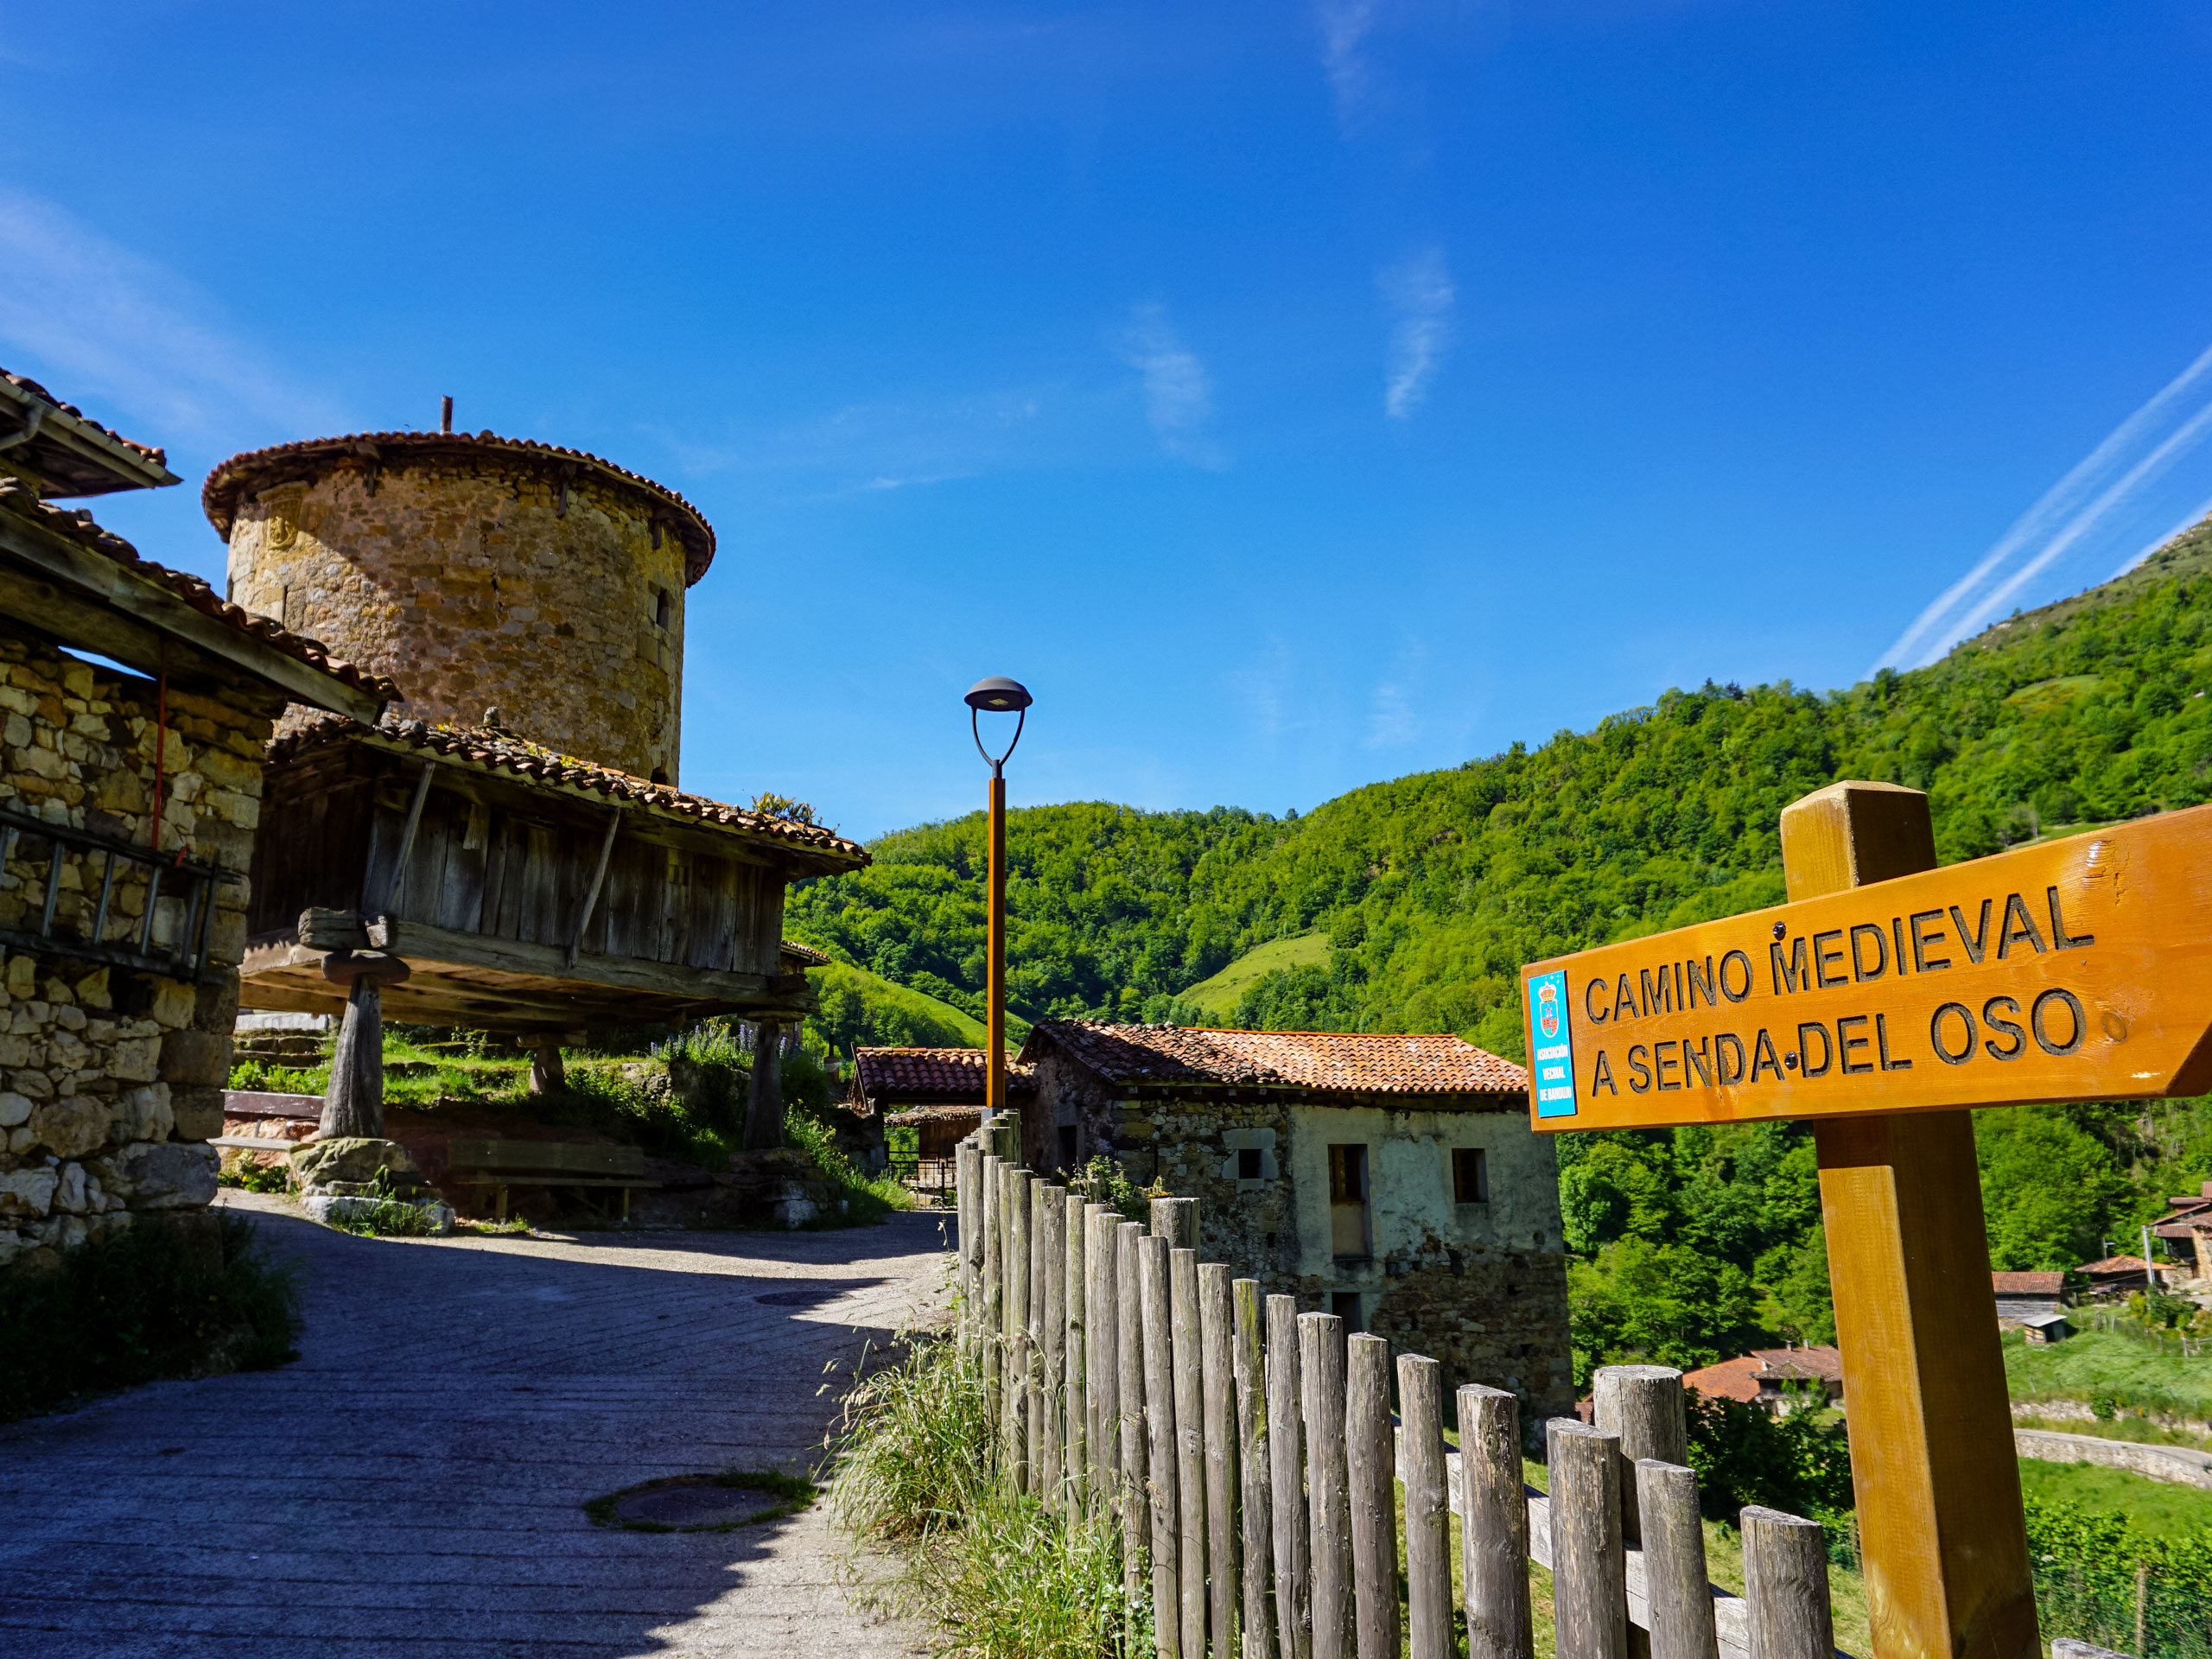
<point>1293,396</point>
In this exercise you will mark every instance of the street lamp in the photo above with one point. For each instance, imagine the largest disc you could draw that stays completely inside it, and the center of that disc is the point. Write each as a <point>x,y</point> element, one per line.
<point>996,696</point>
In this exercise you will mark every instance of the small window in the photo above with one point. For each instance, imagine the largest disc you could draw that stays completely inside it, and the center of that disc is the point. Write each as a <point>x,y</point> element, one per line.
<point>1248,1163</point>
<point>1345,1304</point>
<point>1067,1146</point>
<point>661,607</point>
<point>1470,1176</point>
<point>1348,1174</point>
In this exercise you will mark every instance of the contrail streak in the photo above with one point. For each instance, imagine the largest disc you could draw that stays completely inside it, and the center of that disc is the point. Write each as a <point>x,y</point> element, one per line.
<point>2057,520</point>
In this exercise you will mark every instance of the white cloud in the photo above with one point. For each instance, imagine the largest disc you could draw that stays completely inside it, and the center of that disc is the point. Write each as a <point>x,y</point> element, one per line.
<point>2102,502</point>
<point>1418,291</point>
<point>1391,721</point>
<point>1177,400</point>
<point>1345,25</point>
<point>96,318</point>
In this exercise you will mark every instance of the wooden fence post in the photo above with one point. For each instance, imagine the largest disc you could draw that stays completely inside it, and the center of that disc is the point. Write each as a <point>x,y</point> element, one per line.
<point>1190,1443</point>
<point>1286,1482</point>
<point>1223,1453</point>
<point>1049,1318</point>
<point>1589,1575</point>
<point>1371,1457</point>
<point>1129,1492</point>
<point>1493,1526</point>
<point>1176,1220</point>
<point>1428,1508</point>
<point>1101,1356</point>
<point>1160,1450</point>
<point>1786,1582</point>
<point>1255,1462</point>
<point>992,1311</point>
<point>1321,1372</point>
<point>969,1276</point>
<point>1643,1405</point>
<point>1677,1599</point>
<point>1018,1183</point>
<point>1075,1386</point>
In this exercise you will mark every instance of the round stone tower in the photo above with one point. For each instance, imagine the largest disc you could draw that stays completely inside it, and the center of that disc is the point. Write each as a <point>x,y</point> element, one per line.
<point>480,573</point>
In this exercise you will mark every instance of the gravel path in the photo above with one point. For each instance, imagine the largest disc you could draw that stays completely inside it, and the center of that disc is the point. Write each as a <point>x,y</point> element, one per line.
<point>413,1485</point>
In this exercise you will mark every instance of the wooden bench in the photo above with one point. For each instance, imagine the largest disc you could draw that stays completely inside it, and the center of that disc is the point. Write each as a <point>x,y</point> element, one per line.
<point>251,1143</point>
<point>503,1164</point>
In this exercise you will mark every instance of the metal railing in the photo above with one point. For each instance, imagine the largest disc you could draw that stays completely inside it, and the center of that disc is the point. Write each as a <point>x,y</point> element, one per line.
<point>187,883</point>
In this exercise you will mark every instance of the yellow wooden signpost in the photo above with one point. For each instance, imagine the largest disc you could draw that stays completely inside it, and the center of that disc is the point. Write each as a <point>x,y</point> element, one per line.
<point>1885,999</point>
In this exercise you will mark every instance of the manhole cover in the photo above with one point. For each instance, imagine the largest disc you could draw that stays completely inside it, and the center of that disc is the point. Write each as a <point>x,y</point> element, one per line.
<point>798,1298</point>
<point>702,1505</point>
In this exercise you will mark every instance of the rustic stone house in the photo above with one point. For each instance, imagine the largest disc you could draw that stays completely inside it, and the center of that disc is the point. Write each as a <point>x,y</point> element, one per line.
<point>1392,1179</point>
<point>2187,1230</point>
<point>2022,1296</point>
<point>128,802</point>
<point>1777,1380</point>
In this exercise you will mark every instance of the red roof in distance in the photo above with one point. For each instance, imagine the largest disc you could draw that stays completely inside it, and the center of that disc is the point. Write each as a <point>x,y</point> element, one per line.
<point>2028,1284</point>
<point>1335,1061</point>
<point>953,1075</point>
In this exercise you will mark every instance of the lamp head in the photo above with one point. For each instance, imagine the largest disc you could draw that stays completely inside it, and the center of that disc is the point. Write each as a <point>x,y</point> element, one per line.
<point>998,695</point>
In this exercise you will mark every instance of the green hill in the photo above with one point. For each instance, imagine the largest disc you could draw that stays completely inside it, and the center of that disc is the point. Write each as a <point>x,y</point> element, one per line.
<point>859,1006</point>
<point>1216,997</point>
<point>1411,904</point>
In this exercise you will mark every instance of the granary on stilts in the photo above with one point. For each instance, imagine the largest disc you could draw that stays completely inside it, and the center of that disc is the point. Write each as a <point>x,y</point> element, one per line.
<point>507,849</point>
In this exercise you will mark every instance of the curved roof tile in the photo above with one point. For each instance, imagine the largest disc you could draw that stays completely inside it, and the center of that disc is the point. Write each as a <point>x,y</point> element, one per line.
<point>1327,1061</point>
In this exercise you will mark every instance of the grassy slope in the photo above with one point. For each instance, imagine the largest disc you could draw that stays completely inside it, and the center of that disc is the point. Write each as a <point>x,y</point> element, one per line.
<point>1218,995</point>
<point>2106,1362</point>
<point>2158,1507</point>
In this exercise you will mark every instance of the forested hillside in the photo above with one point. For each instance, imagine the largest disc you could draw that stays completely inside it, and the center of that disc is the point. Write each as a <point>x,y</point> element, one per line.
<point>1432,890</point>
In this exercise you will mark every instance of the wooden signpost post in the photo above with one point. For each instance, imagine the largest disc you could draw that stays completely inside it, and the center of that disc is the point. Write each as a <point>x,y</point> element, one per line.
<point>1883,1002</point>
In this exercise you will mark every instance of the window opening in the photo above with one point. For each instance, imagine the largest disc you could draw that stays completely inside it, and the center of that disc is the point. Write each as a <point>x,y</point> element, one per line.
<point>1248,1163</point>
<point>1345,1304</point>
<point>1067,1146</point>
<point>1347,1230</point>
<point>1470,1176</point>
<point>661,607</point>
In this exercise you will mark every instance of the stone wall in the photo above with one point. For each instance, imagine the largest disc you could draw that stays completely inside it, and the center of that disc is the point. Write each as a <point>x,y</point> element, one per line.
<point>110,1079</point>
<point>469,584</point>
<point>1481,1288</point>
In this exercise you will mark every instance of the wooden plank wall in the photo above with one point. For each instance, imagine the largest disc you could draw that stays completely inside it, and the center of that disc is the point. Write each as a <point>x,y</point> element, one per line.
<point>508,861</point>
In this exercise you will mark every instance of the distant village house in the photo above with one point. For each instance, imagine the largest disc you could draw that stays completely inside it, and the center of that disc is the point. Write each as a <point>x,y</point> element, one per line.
<point>1393,1180</point>
<point>1777,1380</point>
<point>938,1093</point>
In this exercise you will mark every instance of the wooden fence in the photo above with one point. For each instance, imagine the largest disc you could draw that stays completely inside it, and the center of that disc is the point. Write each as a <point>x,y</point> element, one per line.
<point>1252,1456</point>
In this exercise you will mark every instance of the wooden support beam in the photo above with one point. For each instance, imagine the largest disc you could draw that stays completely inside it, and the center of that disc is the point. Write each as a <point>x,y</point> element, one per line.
<point>591,895</point>
<point>397,884</point>
<point>1941,1528</point>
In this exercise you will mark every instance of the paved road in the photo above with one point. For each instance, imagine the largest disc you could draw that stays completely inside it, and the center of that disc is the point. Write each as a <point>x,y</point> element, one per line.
<point>412,1485</point>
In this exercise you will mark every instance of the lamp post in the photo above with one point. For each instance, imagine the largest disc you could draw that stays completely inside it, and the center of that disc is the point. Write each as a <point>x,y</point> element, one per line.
<point>996,696</point>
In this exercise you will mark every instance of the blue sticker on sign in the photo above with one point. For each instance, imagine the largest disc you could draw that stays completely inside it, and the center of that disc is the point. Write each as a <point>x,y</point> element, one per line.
<point>1554,1053</point>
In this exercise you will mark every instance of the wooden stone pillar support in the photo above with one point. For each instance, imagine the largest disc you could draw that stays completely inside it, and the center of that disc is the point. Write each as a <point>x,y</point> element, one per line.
<point>353,1107</point>
<point>764,1103</point>
<point>1932,1461</point>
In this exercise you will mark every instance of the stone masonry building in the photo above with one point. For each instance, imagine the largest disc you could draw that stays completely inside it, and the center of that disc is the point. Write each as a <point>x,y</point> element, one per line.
<point>128,803</point>
<point>486,573</point>
<point>1391,1180</point>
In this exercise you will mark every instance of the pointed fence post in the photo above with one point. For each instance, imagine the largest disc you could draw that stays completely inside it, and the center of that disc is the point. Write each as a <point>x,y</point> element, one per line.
<point>1493,1526</point>
<point>1287,1481</point>
<point>1321,1373</point>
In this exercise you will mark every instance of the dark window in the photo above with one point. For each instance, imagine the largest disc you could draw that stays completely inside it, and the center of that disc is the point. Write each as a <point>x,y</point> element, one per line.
<point>1248,1163</point>
<point>660,607</point>
<point>1348,1174</point>
<point>1067,1146</point>
<point>1345,1304</point>
<point>1470,1176</point>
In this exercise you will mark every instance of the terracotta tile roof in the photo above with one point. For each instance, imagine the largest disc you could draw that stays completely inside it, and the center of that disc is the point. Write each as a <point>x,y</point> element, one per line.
<point>78,525</point>
<point>159,457</point>
<point>2116,1266</point>
<point>1740,1378</point>
<point>1329,1061</point>
<point>949,1074</point>
<point>257,469</point>
<point>2028,1284</point>
<point>805,955</point>
<point>486,750</point>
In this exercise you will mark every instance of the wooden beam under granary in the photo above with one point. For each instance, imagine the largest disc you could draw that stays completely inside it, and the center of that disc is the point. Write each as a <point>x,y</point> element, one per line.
<point>528,892</point>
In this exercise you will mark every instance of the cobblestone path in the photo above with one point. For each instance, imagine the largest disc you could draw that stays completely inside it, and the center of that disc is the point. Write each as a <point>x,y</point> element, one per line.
<point>413,1485</point>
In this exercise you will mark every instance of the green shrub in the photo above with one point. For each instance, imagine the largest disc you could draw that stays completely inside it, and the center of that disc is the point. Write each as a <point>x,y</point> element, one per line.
<point>859,1199</point>
<point>145,1303</point>
<point>2090,1566</point>
<point>249,1174</point>
<point>1794,1462</point>
<point>1103,1181</point>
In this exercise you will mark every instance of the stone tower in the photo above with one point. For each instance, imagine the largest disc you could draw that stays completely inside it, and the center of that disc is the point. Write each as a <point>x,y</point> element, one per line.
<point>480,573</point>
